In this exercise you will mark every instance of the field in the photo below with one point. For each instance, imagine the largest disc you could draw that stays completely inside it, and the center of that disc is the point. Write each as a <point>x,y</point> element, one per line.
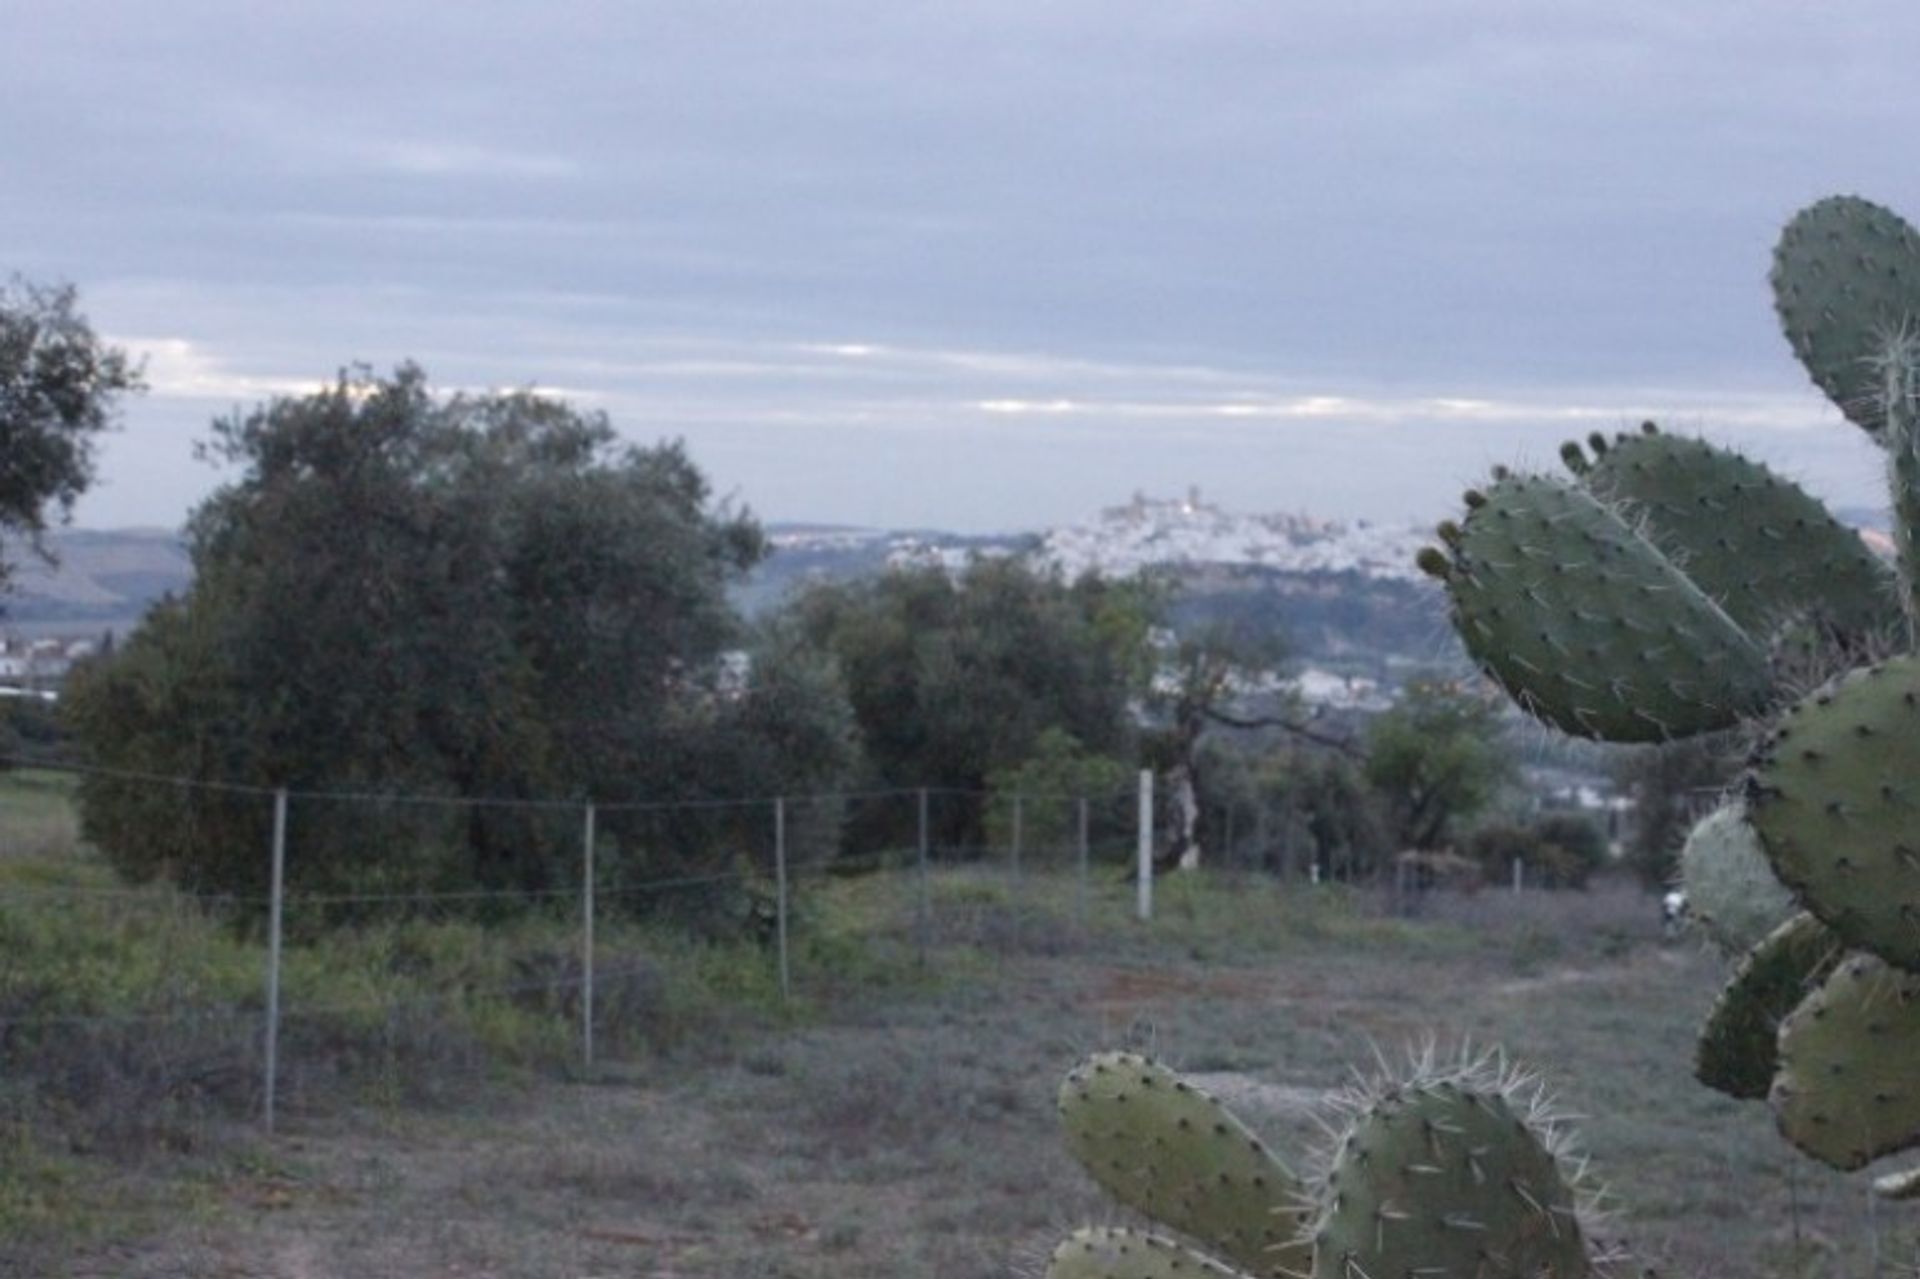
<point>896,1119</point>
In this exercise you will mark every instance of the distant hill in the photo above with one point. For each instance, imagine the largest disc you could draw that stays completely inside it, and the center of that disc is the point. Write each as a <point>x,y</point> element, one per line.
<point>1343,594</point>
<point>100,580</point>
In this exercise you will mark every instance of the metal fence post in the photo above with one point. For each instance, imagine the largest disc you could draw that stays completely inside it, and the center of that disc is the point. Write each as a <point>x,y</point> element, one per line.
<point>586,942</point>
<point>1144,865</point>
<point>1519,875</point>
<point>780,888</point>
<point>274,908</point>
<point>926,891</point>
<point>1080,891</point>
<point>1017,814</point>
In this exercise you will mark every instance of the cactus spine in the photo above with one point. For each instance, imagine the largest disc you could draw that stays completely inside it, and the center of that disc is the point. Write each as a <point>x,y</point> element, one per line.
<point>1446,1170</point>
<point>1823,1016</point>
<point>1669,588</point>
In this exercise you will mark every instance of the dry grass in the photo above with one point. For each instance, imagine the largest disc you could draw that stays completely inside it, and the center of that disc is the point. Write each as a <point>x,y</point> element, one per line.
<point>902,1123</point>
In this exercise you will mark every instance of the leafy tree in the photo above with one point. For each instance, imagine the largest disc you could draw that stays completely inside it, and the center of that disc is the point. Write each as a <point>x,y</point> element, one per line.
<point>30,729</point>
<point>1672,785</point>
<point>58,388</point>
<point>1326,805</point>
<point>1211,678</point>
<point>1049,785</point>
<point>1559,850</point>
<point>472,596</point>
<point>1436,758</point>
<point>955,676</point>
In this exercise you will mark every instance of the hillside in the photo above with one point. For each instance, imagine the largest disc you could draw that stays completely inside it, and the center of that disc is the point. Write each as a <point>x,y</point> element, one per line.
<point>99,580</point>
<point>1347,594</point>
<point>1342,593</point>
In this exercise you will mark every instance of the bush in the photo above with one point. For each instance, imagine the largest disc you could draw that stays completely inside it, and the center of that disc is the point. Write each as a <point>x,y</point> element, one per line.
<point>1559,850</point>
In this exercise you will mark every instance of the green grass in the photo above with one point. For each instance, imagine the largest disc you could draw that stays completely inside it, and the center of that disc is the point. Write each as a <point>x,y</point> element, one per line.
<point>36,815</point>
<point>895,1118</point>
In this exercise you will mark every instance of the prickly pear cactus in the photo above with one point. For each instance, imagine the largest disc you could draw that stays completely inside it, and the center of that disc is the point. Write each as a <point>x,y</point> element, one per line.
<point>1754,542</point>
<point>1738,1053</point>
<point>1449,1171</point>
<point>1586,623</point>
<point>1455,1173</point>
<point>1847,1091</point>
<point>1158,1144</point>
<point>1731,888</point>
<point>1834,795</point>
<point>1846,277</point>
<point>1101,1252</point>
<point>1672,588</point>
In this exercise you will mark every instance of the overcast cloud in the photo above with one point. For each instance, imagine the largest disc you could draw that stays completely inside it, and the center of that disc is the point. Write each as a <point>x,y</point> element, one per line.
<point>974,265</point>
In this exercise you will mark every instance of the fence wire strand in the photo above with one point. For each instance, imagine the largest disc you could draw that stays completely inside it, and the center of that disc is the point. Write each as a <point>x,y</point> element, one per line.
<point>909,828</point>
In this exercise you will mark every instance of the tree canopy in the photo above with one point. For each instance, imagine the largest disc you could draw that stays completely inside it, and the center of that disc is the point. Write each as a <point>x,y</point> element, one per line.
<point>483,595</point>
<point>1438,757</point>
<point>59,385</point>
<point>955,676</point>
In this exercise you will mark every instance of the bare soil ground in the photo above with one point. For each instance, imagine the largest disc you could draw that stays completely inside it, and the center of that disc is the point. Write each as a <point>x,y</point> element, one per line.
<point>912,1132</point>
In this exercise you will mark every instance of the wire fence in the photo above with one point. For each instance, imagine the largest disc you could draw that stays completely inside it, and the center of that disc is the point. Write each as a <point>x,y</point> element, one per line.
<point>597,864</point>
<point>329,861</point>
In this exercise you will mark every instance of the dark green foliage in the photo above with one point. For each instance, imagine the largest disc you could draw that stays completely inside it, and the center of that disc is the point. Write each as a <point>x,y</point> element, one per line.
<point>955,677</point>
<point>1049,785</point>
<point>1557,850</point>
<point>479,596</point>
<point>58,387</point>
<point>1295,808</point>
<point>30,731</point>
<point>1437,758</point>
<point>1671,784</point>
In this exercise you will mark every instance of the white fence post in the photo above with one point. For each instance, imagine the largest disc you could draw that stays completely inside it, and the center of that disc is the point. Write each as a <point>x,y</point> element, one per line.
<point>1144,904</point>
<point>274,909</point>
<point>780,887</point>
<point>1080,888</point>
<point>586,942</point>
<point>926,889</point>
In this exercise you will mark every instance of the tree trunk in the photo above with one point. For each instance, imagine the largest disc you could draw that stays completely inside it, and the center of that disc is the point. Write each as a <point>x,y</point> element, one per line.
<point>1185,852</point>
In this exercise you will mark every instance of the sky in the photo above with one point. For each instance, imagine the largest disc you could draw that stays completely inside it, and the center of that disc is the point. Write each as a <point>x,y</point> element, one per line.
<point>980,265</point>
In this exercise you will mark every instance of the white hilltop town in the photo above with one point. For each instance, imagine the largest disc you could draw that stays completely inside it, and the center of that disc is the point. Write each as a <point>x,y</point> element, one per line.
<point>1186,532</point>
<point>1150,532</point>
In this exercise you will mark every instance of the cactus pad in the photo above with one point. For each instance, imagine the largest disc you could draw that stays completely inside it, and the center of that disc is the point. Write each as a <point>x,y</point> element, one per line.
<point>1449,1178</point>
<point>1847,1092</point>
<point>1730,887</point>
<point>1757,544</point>
<point>1835,796</point>
<point>1100,1253</point>
<point>1901,436</point>
<point>1168,1149</point>
<point>1587,625</point>
<point>1739,1049</point>
<point>1846,277</point>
